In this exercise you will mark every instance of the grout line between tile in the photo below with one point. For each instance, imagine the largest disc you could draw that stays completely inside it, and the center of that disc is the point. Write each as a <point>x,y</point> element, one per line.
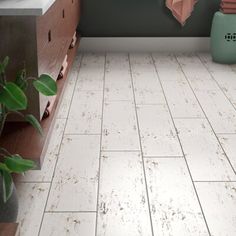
<point>215,181</point>
<point>56,212</point>
<point>153,61</point>
<point>189,118</point>
<point>60,145</point>
<point>80,134</point>
<point>140,143</point>
<point>225,133</point>
<point>100,155</point>
<point>163,157</point>
<point>107,150</point>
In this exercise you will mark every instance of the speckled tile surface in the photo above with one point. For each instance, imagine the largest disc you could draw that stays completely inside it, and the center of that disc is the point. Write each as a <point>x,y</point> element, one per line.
<point>74,186</point>
<point>206,159</point>
<point>147,88</point>
<point>157,132</point>
<point>118,85</point>
<point>120,130</point>
<point>32,202</point>
<point>122,205</point>
<point>85,113</point>
<point>144,145</point>
<point>71,224</point>
<point>174,205</point>
<point>218,202</point>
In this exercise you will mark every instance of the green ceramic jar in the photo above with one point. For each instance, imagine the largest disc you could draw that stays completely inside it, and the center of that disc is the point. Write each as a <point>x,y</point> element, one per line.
<point>223,38</point>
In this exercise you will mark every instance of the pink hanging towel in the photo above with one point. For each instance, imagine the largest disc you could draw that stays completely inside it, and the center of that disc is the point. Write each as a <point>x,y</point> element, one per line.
<point>181,9</point>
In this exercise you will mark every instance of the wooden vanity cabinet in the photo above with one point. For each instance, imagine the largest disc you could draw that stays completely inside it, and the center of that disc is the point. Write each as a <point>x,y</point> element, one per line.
<point>40,43</point>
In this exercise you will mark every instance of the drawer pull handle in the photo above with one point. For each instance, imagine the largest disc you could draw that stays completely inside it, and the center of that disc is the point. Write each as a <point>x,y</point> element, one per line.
<point>49,36</point>
<point>63,13</point>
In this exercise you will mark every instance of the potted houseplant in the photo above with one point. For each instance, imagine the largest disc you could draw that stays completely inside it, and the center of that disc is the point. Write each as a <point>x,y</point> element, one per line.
<point>14,100</point>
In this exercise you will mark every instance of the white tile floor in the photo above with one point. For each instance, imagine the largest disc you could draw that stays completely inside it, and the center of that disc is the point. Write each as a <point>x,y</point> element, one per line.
<point>143,145</point>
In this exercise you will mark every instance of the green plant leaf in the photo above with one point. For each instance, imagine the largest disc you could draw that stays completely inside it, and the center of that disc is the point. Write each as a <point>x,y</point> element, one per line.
<point>13,97</point>
<point>7,185</point>
<point>34,122</point>
<point>18,165</point>
<point>21,80</point>
<point>45,85</point>
<point>4,167</point>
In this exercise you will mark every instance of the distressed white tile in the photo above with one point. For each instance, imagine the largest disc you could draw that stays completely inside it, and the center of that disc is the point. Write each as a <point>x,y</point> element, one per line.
<point>196,73</point>
<point>74,186</point>
<point>64,107</point>
<point>219,110</point>
<point>166,61</point>
<point>146,84</point>
<point>32,201</point>
<point>205,157</point>
<point>174,206</point>
<point>120,127</point>
<point>223,74</point>
<point>212,66</point>
<point>118,85</point>
<point>179,95</point>
<point>158,135</point>
<point>49,162</point>
<point>71,224</point>
<point>229,145</point>
<point>85,113</point>
<point>181,99</point>
<point>123,205</point>
<point>168,68</point>
<point>91,74</point>
<point>218,201</point>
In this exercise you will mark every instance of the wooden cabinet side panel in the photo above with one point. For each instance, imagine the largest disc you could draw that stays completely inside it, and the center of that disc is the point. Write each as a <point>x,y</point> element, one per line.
<point>18,41</point>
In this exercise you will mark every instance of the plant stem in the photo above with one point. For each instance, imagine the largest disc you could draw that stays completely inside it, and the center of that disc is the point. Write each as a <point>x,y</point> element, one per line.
<point>3,117</point>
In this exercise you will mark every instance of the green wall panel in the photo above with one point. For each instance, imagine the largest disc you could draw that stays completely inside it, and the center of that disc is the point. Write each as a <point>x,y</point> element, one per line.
<point>142,18</point>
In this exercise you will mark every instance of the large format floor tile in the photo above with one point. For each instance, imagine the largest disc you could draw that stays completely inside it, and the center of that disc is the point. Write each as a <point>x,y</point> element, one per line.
<point>174,205</point>
<point>86,113</point>
<point>74,186</point>
<point>120,130</point>
<point>147,87</point>
<point>71,224</point>
<point>218,201</point>
<point>123,204</point>
<point>118,84</point>
<point>91,74</point>
<point>203,152</point>
<point>32,201</point>
<point>157,132</point>
<point>181,99</point>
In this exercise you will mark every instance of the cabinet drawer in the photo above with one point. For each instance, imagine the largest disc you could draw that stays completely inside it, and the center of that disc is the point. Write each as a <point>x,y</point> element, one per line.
<point>54,34</point>
<point>46,24</point>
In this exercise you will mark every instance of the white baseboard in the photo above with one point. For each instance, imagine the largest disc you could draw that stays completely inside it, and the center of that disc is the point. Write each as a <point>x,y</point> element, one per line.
<point>149,44</point>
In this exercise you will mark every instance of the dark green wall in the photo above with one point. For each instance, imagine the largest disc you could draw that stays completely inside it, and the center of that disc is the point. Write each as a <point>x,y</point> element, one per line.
<point>142,18</point>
